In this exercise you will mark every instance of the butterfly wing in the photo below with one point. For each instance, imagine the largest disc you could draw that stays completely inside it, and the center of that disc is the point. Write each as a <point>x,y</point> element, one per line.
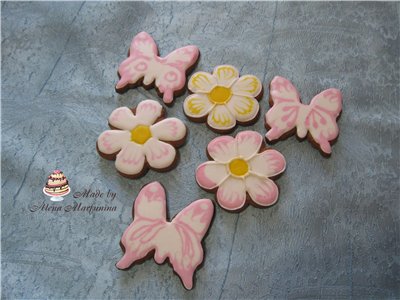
<point>142,54</point>
<point>321,121</point>
<point>171,76</point>
<point>181,241</point>
<point>283,115</point>
<point>148,223</point>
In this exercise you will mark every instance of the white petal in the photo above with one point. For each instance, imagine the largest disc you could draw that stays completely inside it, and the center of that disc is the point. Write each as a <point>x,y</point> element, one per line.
<point>111,141</point>
<point>226,75</point>
<point>211,174</point>
<point>222,149</point>
<point>201,82</point>
<point>148,111</point>
<point>269,163</point>
<point>243,108</point>
<point>123,118</point>
<point>231,194</point>
<point>247,85</point>
<point>262,191</point>
<point>197,106</point>
<point>170,130</point>
<point>249,143</point>
<point>159,155</point>
<point>220,118</point>
<point>130,160</point>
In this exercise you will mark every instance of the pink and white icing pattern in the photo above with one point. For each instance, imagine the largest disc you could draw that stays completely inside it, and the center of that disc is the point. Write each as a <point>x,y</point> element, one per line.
<point>178,240</point>
<point>155,150</point>
<point>318,118</point>
<point>232,188</point>
<point>169,73</point>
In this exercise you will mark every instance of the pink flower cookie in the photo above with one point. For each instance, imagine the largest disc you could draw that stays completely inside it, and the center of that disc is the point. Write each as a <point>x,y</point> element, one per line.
<point>223,99</point>
<point>288,115</point>
<point>178,240</point>
<point>141,139</point>
<point>240,172</point>
<point>143,65</point>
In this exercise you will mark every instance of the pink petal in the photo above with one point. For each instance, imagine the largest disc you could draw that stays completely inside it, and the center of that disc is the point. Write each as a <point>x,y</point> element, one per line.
<point>249,143</point>
<point>171,129</point>
<point>222,149</point>
<point>231,194</point>
<point>130,160</point>
<point>123,118</point>
<point>262,191</point>
<point>111,141</point>
<point>269,163</point>
<point>211,174</point>
<point>148,111</point>
<point>159,155</point>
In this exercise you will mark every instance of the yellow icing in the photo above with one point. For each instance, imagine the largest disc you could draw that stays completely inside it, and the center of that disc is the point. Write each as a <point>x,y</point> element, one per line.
<point>226,72</point>
<point>221,119</point>
<point>195,106</point>
<point>245,107</point>
<point>238,167</point>
<point>140,134</point>
<point>220,94</point>
<point>252,84</point>
<point>200,80</point>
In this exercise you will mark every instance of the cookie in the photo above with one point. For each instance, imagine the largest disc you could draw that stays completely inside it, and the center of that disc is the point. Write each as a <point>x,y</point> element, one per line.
<point>240,171</point>
<point>144,67</point>
<point>288,115</point>
<point>223,99</point>
<point>179,241</point>
<point>141,138</point>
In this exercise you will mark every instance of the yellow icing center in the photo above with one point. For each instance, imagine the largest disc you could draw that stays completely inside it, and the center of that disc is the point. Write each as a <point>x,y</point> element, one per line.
<point>238,167</point>
<point>220,94</point>
<point>140,134</point>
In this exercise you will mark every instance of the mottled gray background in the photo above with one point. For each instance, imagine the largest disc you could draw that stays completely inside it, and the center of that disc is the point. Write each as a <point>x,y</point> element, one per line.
<point>334,232</point>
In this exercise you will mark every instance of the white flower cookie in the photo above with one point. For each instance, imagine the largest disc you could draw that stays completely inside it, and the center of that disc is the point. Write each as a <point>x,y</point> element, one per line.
<point>223,98</point>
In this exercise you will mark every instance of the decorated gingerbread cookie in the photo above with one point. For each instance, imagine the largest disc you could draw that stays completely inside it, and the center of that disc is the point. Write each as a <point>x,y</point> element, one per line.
<point>144,66</point>
<point>240,171</point>
<point>141,138</point>
<point>179,240</point>
<point>288,115</point>
<point>223,99</point>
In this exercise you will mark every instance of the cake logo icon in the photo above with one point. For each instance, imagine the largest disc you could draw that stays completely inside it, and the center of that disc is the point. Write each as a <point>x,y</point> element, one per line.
<point>56,186</point>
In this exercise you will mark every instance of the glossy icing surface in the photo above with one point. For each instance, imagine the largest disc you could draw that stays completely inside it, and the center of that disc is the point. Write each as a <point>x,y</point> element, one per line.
<point>238,168</point>
<point>139,138</point>
<point>318,118</point>
<point>223,97</point>
<point>169,73</point>
<point>178,240</point>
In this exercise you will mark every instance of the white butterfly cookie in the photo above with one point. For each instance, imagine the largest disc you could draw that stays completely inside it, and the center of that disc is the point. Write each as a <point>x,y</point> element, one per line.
<point>143,63</point>
<point>288,113</point>
<point>179,241</point>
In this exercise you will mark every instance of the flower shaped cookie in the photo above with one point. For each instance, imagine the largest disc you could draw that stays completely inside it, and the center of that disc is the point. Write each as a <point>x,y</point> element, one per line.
<point>238,168</point>
<point>223,98</point>
<point>139,139</point>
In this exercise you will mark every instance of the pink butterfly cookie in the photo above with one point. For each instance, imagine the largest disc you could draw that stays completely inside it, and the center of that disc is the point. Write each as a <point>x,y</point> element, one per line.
<point>143,62</point>
<point>318,119</point>
<point>178,240</point>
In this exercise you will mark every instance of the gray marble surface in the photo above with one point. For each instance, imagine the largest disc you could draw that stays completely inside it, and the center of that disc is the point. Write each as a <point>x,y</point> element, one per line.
<point>334,234</point>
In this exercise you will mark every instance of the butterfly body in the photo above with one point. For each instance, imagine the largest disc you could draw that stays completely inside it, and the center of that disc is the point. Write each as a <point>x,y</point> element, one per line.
<point>318,119</point>
<point>178,240</point>
<point>168,73</point>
